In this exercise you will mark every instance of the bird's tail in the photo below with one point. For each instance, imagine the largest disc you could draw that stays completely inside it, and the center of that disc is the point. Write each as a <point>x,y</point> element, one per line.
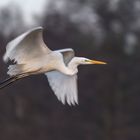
<point>10,80</point>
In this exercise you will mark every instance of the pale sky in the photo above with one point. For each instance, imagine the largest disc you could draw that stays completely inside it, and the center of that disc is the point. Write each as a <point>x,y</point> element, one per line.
<point>29,7</point>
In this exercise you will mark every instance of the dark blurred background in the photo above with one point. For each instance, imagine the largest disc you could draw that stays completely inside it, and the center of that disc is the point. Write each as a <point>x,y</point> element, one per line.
<point>109,95</point>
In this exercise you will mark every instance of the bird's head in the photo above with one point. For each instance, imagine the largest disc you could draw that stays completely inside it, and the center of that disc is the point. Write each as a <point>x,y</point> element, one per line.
<point>76,61</point>
<point>85,61</point>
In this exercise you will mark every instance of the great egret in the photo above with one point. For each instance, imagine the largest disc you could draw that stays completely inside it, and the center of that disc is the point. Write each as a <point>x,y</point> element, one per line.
<point>31,56</point>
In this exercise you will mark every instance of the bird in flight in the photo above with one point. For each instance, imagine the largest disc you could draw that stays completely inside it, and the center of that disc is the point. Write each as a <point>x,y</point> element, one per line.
<point>31,56</point>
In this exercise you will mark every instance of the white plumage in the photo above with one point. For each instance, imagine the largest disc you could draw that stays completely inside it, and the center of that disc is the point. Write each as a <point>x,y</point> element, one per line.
<point>64,86</point>
<point>32,56</point>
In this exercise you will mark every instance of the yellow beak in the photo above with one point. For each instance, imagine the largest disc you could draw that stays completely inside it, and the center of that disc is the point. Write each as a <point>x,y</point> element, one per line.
<point>97,62</point>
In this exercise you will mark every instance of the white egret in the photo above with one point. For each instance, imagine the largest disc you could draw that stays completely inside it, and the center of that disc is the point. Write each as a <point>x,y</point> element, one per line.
<point>32,56</point>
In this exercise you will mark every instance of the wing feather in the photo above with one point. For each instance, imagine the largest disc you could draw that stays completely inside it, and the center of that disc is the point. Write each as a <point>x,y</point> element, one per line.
<point>64,86</point>
<point>68,54</point>
<point>27,46</point>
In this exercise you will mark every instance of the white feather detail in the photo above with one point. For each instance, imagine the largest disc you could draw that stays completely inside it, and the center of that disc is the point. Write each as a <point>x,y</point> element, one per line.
<point>64,86</point>
<point>26,46</point>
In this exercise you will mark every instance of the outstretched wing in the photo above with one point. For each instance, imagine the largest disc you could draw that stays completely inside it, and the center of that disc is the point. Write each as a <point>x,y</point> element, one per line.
<point>64,86</point>
<point>27,46</point>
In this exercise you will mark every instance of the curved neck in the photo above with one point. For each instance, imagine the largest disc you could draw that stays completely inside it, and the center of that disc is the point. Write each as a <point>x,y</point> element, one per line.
<point>73,65</point>
<point>71,69</point>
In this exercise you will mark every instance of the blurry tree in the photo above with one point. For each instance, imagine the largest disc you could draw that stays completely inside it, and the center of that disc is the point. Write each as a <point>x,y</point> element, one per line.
<point>108,95</point>
<point>109,28</point>
<point>11,20</point>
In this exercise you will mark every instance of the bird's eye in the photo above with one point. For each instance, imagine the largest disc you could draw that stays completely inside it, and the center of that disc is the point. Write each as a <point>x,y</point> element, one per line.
<point>86,60</point>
